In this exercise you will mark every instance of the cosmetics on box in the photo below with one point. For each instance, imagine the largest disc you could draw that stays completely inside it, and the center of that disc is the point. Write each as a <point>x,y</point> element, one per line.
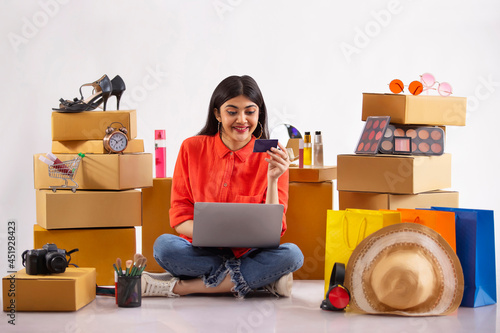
<point>371,137</point>
<point>415,140</point>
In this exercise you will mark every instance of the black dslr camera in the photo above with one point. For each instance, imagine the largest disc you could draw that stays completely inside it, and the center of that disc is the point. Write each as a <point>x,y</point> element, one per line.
<point>49,259</point>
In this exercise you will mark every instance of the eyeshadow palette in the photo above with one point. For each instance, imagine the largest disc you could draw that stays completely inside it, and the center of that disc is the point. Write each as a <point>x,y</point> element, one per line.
<point>425,140</point>
<point>372,135</point>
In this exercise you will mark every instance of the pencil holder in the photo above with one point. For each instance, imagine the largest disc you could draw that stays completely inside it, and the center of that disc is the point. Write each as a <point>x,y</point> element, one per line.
<point>129,291</point>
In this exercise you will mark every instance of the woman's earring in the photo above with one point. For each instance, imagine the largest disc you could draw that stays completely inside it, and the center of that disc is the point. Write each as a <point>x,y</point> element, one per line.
<point>261,131</point>
<point>218,127</point>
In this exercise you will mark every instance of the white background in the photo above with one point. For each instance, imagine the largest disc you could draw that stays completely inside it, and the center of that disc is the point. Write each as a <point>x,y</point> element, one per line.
<point>312,60</point>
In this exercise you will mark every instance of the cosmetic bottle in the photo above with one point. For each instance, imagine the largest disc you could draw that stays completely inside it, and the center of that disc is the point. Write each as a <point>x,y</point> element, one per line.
<point>307,149</point>
<point>160,154</point>
<point>318,149</point>
<point>301,153</point>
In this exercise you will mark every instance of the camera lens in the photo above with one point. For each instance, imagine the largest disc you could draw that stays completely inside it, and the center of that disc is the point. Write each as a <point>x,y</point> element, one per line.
<point>56,262</point>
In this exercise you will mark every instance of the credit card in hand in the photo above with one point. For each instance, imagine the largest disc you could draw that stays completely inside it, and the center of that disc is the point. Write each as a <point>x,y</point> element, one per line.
<point>263,145</point>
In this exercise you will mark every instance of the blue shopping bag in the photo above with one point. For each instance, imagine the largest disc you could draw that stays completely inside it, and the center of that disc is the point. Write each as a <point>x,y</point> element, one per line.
<point>476,251</point>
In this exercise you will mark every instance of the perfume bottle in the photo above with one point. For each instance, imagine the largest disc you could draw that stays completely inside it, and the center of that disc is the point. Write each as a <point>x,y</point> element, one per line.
<point>307,149</point>
<point>160,154</point>
<point>318,149</point>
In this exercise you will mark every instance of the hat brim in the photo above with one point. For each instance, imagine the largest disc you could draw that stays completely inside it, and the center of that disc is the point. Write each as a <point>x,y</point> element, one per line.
<point>449,281</point>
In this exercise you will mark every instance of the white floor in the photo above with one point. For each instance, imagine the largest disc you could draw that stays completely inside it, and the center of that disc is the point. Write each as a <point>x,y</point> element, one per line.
<point>260,313</point>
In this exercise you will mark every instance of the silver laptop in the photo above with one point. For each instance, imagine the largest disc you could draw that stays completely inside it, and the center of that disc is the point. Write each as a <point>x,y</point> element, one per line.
<point>223,224</point>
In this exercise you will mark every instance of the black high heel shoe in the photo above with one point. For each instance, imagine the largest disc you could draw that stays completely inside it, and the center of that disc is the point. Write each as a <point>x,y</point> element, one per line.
<point>102,91</point>
<point>118,88</point>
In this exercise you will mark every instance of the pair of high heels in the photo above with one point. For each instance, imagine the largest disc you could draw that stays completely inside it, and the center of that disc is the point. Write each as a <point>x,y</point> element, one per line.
<point>103,89</point>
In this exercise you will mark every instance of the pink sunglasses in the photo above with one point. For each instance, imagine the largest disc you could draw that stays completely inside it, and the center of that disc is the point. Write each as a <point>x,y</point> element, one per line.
<point>428,81</point>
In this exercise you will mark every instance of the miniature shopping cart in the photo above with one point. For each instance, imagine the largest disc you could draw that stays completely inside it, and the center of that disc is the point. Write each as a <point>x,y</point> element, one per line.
<point>66,170</point>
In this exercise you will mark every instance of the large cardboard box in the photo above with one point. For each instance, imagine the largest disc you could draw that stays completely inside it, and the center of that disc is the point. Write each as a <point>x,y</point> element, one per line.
<point>93,147</point>
<point>403,174</point>
<point>97,248</point>
<point>306,225</point>
<point>421,109</point>
<point>91,125</point>
<point>155,218</point>
<point>88,209</point>
<point>375,201</point>
<point>68,291</point>
<point>312,173</point>
<point>101,172</point>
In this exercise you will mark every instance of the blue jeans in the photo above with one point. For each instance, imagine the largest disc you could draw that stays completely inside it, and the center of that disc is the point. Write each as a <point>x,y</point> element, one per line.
<point>253,270</point>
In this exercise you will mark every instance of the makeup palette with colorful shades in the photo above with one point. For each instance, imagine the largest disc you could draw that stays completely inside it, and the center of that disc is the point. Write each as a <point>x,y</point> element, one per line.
<point>372,135</point>
<point>425,140</point>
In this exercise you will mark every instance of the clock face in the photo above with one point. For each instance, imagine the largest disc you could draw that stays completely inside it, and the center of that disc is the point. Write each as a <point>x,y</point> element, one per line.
<point>118,141</point>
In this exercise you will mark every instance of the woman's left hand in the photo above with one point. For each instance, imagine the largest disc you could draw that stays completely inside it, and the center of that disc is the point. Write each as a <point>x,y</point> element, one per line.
<point>278,162</point>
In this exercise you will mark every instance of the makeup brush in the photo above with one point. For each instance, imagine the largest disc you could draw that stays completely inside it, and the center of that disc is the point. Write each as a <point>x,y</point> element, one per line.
<point>137,257</point>
<point>143,266</point>
<point>119,266</point>
<point>128,264</point>
<point>137,268</point>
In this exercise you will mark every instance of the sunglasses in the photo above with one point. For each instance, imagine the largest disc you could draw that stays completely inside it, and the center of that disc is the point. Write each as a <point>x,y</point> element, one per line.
<point>426,83</point>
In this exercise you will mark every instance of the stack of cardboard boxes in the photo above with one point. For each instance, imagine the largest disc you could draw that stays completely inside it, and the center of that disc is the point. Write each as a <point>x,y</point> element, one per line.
<point>386,181</point>
<point>100,217</point>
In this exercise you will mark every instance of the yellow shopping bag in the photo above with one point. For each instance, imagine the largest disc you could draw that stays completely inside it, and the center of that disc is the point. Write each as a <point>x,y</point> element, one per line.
<point>345,229</point>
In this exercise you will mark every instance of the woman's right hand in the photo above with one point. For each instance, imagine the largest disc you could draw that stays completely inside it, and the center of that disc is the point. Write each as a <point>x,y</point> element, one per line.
<point>185,228</point>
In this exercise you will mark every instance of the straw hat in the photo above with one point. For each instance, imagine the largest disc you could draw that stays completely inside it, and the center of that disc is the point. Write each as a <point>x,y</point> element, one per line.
<point>405,269</point>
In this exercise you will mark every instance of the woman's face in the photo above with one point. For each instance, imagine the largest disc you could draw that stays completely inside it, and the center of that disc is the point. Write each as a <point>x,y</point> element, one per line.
<point>239,117</point>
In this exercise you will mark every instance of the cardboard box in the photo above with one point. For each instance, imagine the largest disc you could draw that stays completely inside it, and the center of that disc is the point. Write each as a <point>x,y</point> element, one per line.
<point>312,174</point>
<point>421,109</point>
<point>91,125</point>
<point>155,218</point>
<point>68,291</point>
<point>88,209</point>
<point>306,225</point>
<point>93,147</point>
<point>404,174</point>
<point>375,201</point>
<point>101,172</point>
<point>97,248</point>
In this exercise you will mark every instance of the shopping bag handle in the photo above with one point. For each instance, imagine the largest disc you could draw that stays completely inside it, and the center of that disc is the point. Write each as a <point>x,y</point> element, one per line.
<point>362,227</point>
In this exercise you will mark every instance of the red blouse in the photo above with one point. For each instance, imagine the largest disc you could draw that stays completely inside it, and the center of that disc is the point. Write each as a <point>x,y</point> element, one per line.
<point>207,171</point>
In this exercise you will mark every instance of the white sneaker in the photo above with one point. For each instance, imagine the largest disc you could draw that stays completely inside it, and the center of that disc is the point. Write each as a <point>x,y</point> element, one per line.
<point>282,286</point>
<point>158,284</point>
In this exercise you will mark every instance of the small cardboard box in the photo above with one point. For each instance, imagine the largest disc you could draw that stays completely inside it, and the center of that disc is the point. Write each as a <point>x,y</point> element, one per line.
<point>88,209</point>
<point>97,248</point>
<point>101,172</point>
<point>403,174</point>
<point>313,173</point>
<point>421,109</point>
<point>91,125</point>
<point>93,147</point>
<point>306,225</point>
<point>375,201</point>
<point>155,218</point>
<point>68,291</point>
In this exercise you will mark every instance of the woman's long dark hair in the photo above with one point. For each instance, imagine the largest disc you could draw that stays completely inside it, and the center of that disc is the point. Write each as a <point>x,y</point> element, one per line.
<point>234,86</point>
